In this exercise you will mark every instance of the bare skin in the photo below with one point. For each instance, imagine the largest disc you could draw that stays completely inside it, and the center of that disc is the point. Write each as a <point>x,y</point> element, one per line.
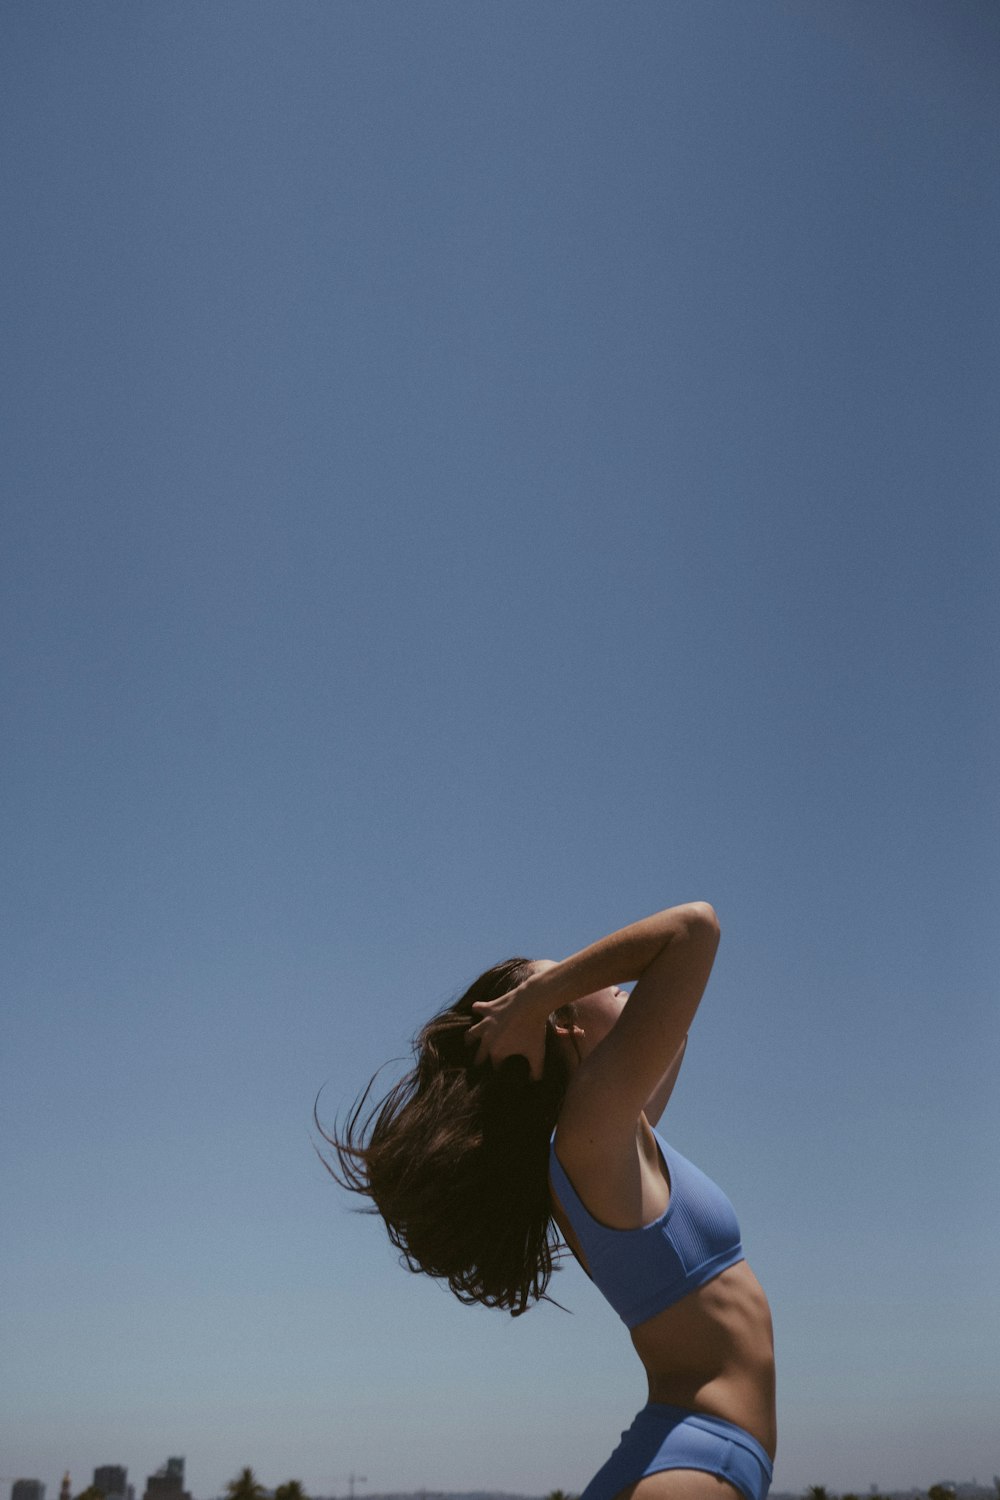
<point>680,1484</point>
<point>713,1351</point>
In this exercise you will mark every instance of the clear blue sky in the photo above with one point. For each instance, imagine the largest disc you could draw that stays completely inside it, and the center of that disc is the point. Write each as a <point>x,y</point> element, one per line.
<point>474,473</point>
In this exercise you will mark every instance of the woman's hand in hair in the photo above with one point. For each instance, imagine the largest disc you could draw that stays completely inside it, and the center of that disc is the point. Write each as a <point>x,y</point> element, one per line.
<point>514,1025</point>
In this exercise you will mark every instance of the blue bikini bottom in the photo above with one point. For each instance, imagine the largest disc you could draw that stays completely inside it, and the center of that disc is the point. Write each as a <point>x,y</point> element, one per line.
<point>671,1437</point>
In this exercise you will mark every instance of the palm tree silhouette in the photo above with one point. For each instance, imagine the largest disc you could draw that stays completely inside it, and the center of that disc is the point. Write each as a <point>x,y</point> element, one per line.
<point>246,1486</point>
<point>290,1490</point>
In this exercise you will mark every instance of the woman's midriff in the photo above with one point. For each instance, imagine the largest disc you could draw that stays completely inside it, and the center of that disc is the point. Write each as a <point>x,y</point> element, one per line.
<point>714,1352</point>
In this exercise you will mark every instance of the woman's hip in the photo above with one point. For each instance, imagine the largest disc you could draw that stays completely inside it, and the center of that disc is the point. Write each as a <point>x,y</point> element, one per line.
<point>666,1437</point>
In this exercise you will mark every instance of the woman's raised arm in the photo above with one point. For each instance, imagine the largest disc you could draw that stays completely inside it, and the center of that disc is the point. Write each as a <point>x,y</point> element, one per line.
<point>669,955</point>
<point>622,1073</point>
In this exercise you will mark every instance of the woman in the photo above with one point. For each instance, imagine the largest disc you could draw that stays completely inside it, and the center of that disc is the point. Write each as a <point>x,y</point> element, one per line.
<point>472,1155</point>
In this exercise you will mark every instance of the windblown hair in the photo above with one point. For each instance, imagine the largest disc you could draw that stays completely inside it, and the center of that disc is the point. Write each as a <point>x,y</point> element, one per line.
<point>455,1157</point>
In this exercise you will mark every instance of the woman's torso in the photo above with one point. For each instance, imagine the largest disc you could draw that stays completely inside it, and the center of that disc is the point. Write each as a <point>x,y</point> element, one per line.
<point>712,1350</point>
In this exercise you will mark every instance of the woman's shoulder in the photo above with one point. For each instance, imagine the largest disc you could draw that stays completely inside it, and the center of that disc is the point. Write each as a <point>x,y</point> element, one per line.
<point>592,1122</point>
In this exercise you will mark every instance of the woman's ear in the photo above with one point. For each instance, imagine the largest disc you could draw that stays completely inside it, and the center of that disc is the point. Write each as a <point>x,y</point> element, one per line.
<point>564,1022</point>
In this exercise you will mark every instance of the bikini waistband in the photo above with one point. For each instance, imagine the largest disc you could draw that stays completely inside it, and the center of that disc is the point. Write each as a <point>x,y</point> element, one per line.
<point>710,1423</point>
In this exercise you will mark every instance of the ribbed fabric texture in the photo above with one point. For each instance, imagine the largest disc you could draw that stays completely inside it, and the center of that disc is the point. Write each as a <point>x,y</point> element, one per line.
<point>642,1271</point>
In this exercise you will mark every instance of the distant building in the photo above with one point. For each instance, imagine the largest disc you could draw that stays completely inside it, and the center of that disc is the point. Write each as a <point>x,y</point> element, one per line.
<point>113,1480</point>
<point>167,1483</point>
<point>27,1489</point>
<point>66,1488</point>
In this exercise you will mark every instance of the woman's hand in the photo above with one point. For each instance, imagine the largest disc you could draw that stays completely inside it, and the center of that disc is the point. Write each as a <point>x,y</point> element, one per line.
<point>514,1025</point>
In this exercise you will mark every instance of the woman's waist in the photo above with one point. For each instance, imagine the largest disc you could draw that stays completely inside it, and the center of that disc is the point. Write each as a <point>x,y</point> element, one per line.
<point>721,1329</point>
<point>714,1351</point>
<point>691,1379</point>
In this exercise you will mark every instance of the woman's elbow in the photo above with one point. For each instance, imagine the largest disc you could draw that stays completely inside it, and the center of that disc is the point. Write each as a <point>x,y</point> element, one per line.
<point>704,916</point>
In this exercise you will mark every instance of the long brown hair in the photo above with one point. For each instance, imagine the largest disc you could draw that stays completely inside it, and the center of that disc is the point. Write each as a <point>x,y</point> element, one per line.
<point>455,1157</point>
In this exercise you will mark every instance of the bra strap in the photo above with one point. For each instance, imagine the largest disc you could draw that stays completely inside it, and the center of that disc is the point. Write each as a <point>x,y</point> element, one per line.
<point>566,1192</point>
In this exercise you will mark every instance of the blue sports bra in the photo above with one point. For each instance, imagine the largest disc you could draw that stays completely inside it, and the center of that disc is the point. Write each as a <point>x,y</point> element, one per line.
<point>642,1271</point>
